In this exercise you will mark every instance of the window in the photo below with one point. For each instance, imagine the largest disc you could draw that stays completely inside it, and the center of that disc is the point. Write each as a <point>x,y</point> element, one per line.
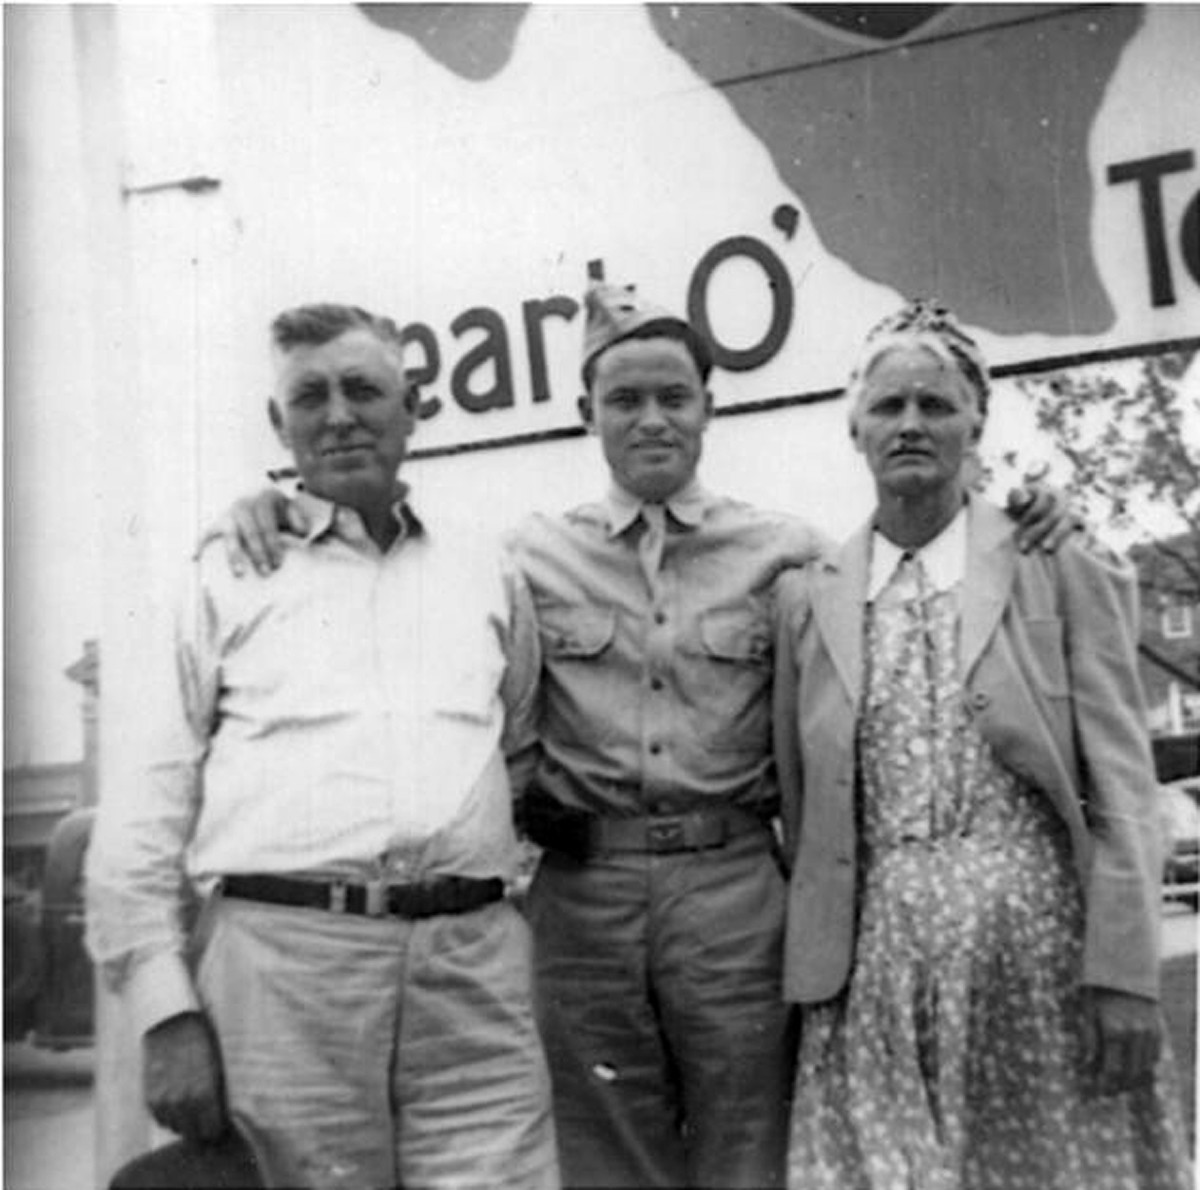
<point>1177,622</point>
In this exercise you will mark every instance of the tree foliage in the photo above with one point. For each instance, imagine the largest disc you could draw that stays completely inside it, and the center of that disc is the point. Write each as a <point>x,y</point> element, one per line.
<point>1133,461</point>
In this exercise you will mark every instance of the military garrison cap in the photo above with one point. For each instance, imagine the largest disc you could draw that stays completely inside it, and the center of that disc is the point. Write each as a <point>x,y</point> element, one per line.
<point>614,312</point>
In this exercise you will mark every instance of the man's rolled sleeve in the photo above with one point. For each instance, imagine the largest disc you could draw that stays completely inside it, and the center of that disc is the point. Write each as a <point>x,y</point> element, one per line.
<point>158,988</point>
<point>135,878</point>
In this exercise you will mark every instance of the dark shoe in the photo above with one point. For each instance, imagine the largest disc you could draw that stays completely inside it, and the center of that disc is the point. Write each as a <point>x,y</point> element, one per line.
<point>226,1164</point>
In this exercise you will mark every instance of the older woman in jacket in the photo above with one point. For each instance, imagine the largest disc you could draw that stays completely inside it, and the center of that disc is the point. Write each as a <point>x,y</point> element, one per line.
<point>973,917</point>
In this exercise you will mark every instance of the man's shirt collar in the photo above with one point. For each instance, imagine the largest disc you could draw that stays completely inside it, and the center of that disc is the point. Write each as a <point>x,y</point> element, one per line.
<point>687,506</point>
<point>944,558</point>
<point>324,516</point>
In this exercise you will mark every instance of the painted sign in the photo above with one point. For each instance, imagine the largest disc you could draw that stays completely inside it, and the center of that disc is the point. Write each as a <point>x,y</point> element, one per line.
<point>782,172</point>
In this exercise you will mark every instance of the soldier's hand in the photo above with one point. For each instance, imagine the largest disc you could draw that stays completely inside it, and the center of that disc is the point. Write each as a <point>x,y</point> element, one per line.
<point>253,530</point>
<point>1044,518</point>
<point>1123,1039</point>
<point>182,1077</point>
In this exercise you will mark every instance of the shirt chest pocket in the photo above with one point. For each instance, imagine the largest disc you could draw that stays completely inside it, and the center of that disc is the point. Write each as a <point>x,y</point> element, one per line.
<point>463,680</point>
<point>575,633</point>
<point>729,682</point>
<point>466,693</point>
<point>736,637</point>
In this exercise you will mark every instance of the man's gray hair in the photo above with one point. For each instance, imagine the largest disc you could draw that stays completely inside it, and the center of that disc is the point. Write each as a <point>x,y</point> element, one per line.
<point>323,321</point>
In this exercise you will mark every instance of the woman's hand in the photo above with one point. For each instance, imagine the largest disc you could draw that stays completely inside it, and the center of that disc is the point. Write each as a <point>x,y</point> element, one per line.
<point>1123,1038</point>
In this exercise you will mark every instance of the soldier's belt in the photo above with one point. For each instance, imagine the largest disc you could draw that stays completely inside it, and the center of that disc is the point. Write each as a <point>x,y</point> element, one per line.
<point>580,834</point>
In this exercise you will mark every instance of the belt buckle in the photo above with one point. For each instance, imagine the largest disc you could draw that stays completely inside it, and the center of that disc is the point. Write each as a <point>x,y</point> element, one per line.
<point>666,834</point>
<point>719,836</point>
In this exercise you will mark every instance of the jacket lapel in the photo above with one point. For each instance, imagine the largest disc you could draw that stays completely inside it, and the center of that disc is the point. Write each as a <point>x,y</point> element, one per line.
<point>838,608</point>
<point>991,567</point>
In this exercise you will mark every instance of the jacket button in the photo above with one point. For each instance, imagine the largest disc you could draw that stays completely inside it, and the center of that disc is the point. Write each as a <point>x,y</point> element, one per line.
<point>979,700</point>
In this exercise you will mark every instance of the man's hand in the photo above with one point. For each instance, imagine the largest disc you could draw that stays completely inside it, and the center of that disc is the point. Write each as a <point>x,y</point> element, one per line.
<point>181,1070</point>
<point>1043,517</point>
<point>1122,1038</point>
<point>253,528</point>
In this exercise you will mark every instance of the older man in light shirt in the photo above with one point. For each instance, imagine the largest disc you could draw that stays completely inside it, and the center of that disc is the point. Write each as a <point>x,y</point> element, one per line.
<point>328,774</point>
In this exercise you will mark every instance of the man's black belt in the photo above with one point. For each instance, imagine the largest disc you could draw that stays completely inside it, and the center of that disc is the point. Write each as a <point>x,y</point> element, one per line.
<point>576,833</point>
<point>427,898</point>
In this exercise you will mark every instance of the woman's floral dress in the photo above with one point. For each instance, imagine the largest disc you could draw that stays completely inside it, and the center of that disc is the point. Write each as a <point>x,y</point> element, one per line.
<point>954,1058</point>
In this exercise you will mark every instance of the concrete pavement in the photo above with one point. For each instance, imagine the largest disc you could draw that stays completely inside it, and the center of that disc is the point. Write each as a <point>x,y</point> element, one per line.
<point>1179,971</point>
<point>49,1143</point>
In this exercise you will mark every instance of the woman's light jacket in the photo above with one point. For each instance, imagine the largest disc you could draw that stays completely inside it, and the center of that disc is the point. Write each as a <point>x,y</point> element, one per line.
<point>1049,665</point>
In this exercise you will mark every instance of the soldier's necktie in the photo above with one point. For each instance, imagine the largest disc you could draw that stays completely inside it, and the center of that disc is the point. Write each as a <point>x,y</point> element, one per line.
<point>650,544</point>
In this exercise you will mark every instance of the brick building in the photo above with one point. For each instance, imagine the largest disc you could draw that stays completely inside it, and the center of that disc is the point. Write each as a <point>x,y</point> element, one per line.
<point>1170,632</point>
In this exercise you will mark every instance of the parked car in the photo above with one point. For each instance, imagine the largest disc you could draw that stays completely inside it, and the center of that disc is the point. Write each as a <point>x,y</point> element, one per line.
<point>48,981</point>
<point>24,958</point>
<point>1180,809</point>
<point>1176,756</point>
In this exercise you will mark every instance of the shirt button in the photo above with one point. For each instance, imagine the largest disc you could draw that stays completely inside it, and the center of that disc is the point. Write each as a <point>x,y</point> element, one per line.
<point>655,748</point>
<point>656,683</point>
<point>660,617</point>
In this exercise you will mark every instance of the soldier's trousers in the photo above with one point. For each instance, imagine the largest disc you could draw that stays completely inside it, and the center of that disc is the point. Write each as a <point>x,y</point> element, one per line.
<point>658,991</point>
